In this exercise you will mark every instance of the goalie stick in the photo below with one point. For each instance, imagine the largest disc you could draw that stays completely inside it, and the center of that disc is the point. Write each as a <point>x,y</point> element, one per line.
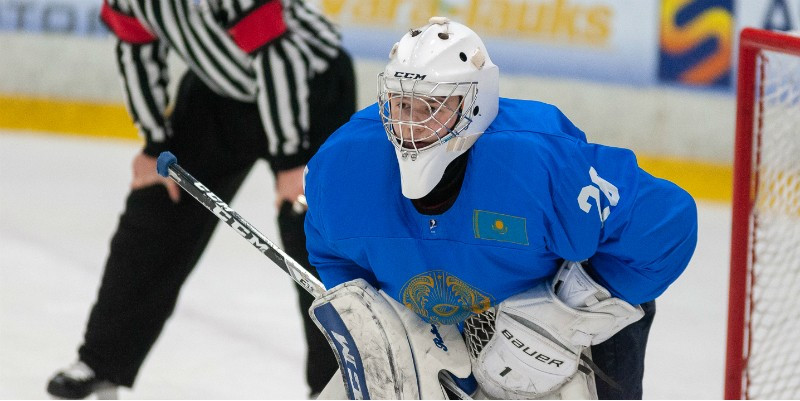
<point>167,166</point>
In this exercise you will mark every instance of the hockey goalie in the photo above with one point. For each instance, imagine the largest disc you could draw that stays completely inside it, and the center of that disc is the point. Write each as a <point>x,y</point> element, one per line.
<point>451,249</point>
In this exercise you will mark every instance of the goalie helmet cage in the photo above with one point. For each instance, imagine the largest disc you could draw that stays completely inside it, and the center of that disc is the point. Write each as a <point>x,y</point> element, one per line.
<point>763,310</point>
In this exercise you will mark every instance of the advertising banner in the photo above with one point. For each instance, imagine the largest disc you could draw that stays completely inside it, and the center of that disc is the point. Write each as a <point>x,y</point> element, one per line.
<point>696,42</point>
<point>608,40</point>
<point>682,43</point>
<point>66,17</point>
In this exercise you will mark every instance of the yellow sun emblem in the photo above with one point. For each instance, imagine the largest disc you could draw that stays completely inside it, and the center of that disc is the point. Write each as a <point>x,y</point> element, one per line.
<point>500,226</point>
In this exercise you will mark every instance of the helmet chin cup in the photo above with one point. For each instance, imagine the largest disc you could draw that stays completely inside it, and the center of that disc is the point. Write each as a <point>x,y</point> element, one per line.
<point>433,64</point>
<point>421,171</point>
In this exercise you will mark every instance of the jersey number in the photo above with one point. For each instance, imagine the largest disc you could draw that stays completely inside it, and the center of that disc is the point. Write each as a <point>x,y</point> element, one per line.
<point>592,191</point>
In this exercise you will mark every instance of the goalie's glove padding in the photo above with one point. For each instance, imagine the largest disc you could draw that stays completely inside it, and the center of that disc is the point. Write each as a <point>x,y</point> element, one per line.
<point>539,336</point>
<point>605,315</point>
<point>385,351</point>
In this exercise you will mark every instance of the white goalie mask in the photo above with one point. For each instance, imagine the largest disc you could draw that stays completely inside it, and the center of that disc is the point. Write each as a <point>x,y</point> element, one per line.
<point>437,95</point>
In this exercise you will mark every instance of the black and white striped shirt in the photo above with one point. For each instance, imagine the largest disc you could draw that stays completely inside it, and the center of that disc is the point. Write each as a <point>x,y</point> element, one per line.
<point>260,51</point>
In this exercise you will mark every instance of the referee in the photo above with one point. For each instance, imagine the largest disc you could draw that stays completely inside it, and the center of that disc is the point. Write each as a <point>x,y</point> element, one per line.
<point>266,79</point>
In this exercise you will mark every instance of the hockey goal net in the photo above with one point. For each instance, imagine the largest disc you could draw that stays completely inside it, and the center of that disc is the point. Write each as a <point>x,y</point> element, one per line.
<point>764,303</point>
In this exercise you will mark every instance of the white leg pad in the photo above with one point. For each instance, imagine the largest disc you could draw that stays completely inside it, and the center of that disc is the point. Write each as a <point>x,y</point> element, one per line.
<point>434,348</point>
<point>385,351</point>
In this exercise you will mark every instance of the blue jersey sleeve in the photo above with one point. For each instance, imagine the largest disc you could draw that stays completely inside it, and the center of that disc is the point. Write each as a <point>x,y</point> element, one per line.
<point>637,231</point>
<point>332,267</point>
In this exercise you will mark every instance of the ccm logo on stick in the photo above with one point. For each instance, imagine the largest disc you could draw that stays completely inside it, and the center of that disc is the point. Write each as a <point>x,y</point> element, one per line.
<point>349,362</point>
<point>226,214</point>
<point>528,351</point>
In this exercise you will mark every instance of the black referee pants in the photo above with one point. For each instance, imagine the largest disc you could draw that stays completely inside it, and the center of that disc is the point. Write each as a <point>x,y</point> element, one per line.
<point>158,242</point>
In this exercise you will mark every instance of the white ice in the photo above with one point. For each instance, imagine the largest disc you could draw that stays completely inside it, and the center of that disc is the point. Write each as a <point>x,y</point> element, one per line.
<point>236,332</point>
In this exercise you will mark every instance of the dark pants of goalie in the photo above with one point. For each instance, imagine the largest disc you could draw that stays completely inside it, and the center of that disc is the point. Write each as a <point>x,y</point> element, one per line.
<point>158,243</point>
<point>621,357</point>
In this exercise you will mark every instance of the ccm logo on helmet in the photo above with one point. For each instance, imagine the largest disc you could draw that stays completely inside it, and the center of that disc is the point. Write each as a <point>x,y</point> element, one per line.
<point>412,75</point>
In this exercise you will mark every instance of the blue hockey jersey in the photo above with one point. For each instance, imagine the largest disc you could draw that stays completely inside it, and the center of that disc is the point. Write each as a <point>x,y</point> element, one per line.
<point>535,192</point>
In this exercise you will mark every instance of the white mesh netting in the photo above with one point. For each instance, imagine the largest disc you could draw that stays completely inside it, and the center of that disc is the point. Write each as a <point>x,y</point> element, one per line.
<point>478,330</point>
<point>773,368</point>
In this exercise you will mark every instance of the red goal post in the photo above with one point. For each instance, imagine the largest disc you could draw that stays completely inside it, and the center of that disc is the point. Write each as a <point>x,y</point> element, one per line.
<point>764,295</point>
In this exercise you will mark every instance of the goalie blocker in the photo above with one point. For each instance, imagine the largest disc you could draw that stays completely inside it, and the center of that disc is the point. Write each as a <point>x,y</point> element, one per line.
<point>385,351</point>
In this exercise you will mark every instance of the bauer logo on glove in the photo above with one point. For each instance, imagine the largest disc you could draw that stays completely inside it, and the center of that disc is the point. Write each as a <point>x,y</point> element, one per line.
<point>527,350</point>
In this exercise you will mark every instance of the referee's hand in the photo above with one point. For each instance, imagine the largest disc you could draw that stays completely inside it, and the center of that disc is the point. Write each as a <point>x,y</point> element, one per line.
<point>145,175</point>
<point>288,186</point>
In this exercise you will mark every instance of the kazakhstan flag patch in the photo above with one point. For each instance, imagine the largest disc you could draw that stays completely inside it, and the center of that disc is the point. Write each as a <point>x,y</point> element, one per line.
<point>499,227</point>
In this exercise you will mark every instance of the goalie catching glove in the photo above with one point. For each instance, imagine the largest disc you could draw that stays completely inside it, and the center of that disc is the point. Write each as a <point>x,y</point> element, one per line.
<point>541,333</point>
